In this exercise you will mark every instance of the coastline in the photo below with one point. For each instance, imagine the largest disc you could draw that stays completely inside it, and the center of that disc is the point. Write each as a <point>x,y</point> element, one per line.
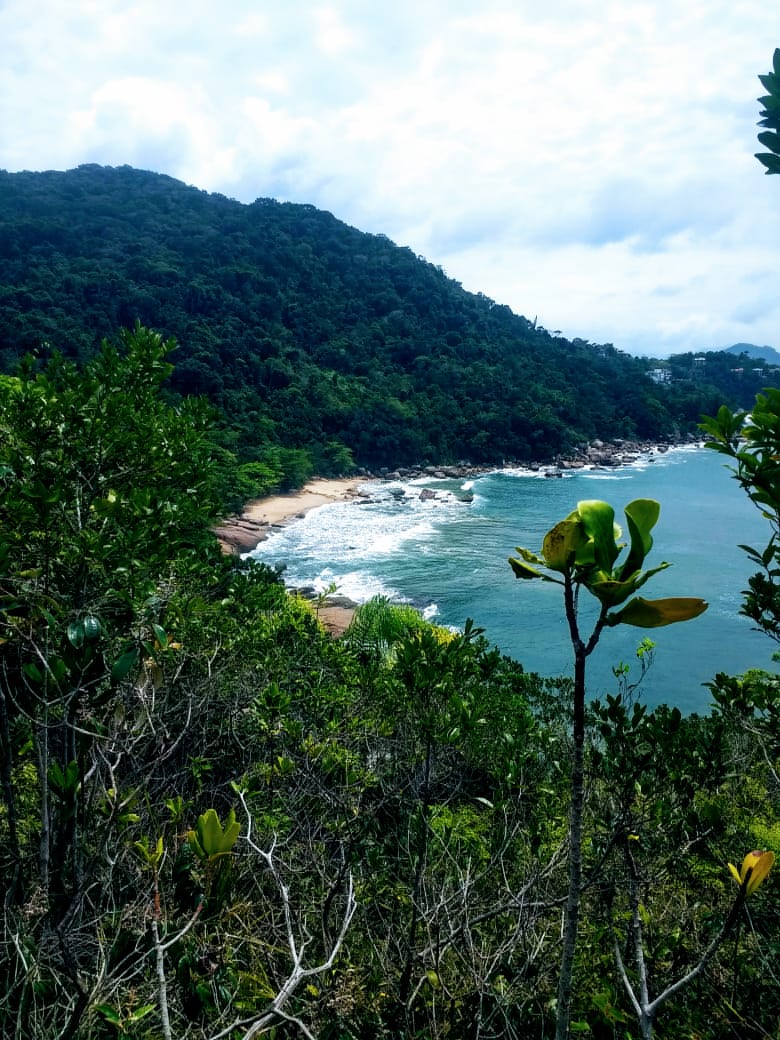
<point>242,533</point>
<point>239,534</point>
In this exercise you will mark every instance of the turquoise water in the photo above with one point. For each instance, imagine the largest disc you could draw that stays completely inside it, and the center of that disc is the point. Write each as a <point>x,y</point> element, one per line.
<point>448,557</point>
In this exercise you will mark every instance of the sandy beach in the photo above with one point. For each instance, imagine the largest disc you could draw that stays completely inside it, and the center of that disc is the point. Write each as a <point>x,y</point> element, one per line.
<point>242,533</point>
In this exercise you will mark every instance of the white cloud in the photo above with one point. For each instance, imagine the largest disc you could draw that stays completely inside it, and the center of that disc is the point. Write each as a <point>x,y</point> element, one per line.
<point>590,164</point>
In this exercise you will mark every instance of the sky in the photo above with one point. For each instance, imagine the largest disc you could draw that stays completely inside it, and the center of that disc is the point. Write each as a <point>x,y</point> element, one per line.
<point>589,164</point>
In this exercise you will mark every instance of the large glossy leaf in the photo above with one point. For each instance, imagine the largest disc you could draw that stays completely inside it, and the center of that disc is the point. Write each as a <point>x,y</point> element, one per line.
<point>612,592</point>
<point>641,516</point>
<point>655,613</point>
<point>75,633</point>
<point>524,570</point>
<point>124,663</point>
<point>210,838</point>
<point>562,544</point>
<point>598,519</point>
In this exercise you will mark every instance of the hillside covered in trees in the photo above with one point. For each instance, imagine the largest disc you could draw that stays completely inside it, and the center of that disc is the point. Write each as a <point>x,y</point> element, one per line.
<point>219,823</point>
<point>321,345</point>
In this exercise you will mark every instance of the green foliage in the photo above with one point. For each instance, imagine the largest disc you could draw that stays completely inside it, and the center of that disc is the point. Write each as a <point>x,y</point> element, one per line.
<point>211,839</point>
<point>320,345</point>
<point>584,549</point>
<point>770,117</point>
<point>147,682</point>
<point>752,441</point>
<point>378,625</point>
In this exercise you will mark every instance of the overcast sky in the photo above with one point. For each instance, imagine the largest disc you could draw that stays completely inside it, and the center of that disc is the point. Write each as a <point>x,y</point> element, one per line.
<point>589,164</point>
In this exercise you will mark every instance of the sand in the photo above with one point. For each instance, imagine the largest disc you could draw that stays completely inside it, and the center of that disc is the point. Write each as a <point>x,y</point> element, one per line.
<point>281,508</point>
<point>242,533</point>
<point>335,620</point>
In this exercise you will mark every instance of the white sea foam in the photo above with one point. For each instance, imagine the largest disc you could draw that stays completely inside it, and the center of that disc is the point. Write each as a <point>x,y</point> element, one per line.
<point>447,558</point>
<point>633,463</point>
<point>525,471</point>
<point>389,538</point>
<point>358,586</point>
<point>349,544</point>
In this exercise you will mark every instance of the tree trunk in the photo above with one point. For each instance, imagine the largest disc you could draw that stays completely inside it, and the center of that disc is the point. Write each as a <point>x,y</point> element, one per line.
<point>576,811</point>
<point>13,891</point>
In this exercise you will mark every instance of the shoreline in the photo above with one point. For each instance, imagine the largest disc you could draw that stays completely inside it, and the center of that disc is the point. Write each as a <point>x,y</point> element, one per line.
<point>241,533</point>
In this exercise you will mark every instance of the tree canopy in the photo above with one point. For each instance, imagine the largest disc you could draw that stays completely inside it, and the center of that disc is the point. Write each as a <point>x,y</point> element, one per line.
<point>321,345</point>
<point>218,822</point>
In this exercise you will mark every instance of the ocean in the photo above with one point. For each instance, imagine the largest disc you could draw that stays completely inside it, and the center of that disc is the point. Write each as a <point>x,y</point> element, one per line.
<point>448,556</point>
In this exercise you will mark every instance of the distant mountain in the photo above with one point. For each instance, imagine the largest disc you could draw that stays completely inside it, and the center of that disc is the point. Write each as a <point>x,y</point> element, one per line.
<point>320,344</point>
<point>759,353</point>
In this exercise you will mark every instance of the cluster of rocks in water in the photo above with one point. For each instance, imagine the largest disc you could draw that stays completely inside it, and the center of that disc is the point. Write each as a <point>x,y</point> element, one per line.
<point>600,454</point>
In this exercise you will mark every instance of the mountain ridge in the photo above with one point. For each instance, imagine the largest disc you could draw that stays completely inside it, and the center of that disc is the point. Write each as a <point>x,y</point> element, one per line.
<point>764,353</point>
<point>321,345</point>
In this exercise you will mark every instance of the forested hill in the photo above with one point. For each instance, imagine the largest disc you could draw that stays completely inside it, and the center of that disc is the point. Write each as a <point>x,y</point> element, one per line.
<point>319,343</point>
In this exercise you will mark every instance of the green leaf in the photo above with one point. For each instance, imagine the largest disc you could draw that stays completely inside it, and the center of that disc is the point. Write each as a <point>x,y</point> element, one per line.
<point>210,839</point>
<point>562,544</point>
<point>75,634</point>
<point>598,519</point>
<point>772,162</point>
<point>522,570</point>
<point>124,664</point>
<point>161,636</point>
<point>530,557</point>
<point>141,1012</point>
<point>110,1014</point>
<point>655,613</point>
<point>612,593</point>
<point>32,671</point>
<point>771,140</point>
<point>92,627</point>
<point>65,782</point>
<point>641,516</point>
<point>150,856</point>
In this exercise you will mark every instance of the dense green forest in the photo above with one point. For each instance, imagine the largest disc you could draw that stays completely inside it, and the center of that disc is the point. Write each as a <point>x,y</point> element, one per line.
<point>218,822</point>
<point>320,345</point>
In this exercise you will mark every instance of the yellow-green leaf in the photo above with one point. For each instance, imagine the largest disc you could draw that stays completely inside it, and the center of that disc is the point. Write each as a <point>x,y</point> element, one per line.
<point>433,979</point>
<point>755,867</point>
<point>598,519</point>
<point>655,613</point>
<point>642,516</point>
<point>562,543</point>
<point>523,570</point>
<point>212,838</point>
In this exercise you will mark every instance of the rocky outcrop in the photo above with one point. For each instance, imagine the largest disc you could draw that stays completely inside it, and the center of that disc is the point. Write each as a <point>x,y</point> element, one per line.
<point>239,534</point>
<point>607,454</point>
